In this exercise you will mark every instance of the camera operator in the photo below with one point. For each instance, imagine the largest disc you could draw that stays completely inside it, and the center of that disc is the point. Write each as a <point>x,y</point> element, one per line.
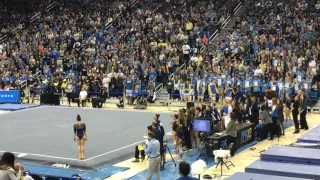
<point>198,114</point>
<point>136,154</point>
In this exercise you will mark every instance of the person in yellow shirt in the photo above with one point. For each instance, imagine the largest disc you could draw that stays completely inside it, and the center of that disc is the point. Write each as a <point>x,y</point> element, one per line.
<point>189,27</point>
<point>200,59</point>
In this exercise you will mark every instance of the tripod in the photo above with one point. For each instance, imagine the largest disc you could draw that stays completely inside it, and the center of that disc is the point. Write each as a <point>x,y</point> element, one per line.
<point>163,157</point>
<point>222,162</point>
<point>205,152</point>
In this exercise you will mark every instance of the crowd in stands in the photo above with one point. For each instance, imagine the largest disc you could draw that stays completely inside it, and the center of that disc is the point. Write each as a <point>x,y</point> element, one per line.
<point>78,44</point>
<point>134,46</point>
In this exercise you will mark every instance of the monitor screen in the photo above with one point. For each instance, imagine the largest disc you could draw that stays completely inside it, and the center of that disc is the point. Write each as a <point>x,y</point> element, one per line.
<point>202,125</point>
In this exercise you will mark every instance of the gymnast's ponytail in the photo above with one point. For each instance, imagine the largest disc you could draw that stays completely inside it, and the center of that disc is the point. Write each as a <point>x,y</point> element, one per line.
<point>78,118</point>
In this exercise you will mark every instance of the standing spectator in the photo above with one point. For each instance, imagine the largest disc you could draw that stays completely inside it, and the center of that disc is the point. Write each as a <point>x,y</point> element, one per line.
<point>265,119</point>
<point>303,112</point>
<point>153,151</point>
<point>295,113</point>
<point>231,132</point>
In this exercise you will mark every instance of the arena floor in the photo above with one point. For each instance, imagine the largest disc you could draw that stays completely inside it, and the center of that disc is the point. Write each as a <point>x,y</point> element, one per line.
<point>44,135</point>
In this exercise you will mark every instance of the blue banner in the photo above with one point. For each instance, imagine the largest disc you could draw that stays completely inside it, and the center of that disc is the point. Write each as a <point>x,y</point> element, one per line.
<point>10,97</point>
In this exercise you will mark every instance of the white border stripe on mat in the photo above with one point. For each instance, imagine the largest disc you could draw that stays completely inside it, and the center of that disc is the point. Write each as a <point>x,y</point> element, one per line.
<point>55,157</point>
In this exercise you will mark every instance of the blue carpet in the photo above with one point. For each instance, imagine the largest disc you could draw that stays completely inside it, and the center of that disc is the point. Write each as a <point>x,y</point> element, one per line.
<point>312,136</point>
<point>104,172</point>
<point>170,172</point>
<point>51,171</point>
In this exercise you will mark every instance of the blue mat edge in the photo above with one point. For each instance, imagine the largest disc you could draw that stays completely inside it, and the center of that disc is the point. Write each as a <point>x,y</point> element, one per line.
<point>89,175</point>
<point>22,107</point>
<point>277,172</point>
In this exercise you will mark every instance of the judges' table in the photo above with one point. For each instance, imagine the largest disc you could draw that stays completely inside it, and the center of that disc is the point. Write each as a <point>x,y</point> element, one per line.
<point>245,135</point>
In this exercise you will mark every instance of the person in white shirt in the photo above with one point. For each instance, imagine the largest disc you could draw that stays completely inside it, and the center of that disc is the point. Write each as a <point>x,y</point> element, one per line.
<point>82,97</point>
<point>186,51</point>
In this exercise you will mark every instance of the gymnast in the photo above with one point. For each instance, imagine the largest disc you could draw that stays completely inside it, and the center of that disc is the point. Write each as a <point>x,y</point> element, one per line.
<point>80,136</point>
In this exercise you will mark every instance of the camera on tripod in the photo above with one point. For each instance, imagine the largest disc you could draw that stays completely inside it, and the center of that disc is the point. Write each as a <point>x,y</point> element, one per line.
<point>206,127</point>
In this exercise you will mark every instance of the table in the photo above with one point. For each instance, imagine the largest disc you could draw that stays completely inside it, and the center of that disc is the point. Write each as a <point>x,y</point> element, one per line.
<point>245,135</point>
<point>45,99</point>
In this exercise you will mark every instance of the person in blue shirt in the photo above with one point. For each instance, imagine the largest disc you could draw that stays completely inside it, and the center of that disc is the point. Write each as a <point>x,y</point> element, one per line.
<point>201,91</point>
<point>256,87</point>
<point>129,83</point>
<point>184,170</point>
<point>153,151</point>
<point>136,93</point>
<point>248,86</point>
<point>220,83</point>
<point>153,77</point>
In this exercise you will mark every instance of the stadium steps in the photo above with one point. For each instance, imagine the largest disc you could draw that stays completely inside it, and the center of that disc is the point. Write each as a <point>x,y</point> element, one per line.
<point>232,21</point>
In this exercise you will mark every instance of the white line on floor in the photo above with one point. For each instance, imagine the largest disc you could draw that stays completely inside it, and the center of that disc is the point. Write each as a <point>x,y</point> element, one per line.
<point>20,154</point>
<point>40,155</point>
<point>113,151</point>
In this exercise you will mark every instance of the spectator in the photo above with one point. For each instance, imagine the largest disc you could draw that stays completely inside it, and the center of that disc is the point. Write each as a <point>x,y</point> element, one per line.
<point>7,167</point>
<point>184,170</point>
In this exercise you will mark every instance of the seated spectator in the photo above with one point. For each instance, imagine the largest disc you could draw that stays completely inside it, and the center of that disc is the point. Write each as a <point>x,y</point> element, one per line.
<point>184,171</point>
<point>7,167</point>
<point>83,95</point>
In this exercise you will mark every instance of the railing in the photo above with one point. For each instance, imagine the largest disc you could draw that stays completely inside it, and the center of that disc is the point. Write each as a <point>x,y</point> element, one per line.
<point>224,23</point>
<point>3,39</point>
<point>52,5</point>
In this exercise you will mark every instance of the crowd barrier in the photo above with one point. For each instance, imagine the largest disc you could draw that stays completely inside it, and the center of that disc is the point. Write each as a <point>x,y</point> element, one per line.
<point>145,93</point>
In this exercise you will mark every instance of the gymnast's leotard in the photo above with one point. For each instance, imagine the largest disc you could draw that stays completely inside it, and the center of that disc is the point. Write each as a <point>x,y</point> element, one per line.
<point>79,130</point>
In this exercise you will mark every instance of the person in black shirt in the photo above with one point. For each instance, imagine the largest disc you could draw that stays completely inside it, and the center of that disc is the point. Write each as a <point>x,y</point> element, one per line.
<point>295,113</point>
<point>136,154</point>
<point>174,126</point>
<point>180,137</point>
<point>103,96</point>
<point>51,90</point>
<point>254,111</point>
<point>158,135</point>
<point>156,119</point>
